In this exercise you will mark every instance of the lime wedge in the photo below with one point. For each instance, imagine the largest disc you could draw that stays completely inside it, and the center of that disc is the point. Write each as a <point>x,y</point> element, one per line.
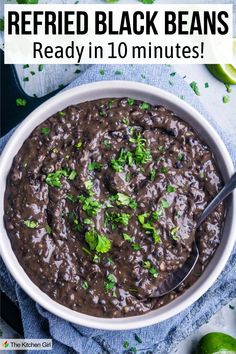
<point>225,72</point>
<point>217,343</point>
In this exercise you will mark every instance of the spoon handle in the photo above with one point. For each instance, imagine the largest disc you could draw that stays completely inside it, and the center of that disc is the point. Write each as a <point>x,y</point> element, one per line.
<point>225,191</point>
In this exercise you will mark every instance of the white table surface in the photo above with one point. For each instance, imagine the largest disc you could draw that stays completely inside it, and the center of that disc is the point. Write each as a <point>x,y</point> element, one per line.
<point>225,114</point>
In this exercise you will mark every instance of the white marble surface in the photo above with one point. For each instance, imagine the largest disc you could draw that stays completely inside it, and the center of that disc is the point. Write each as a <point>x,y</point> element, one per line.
<point>224,114</point>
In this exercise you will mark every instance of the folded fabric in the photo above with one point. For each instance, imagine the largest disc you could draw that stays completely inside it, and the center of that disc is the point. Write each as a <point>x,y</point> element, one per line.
<point>160,338</point>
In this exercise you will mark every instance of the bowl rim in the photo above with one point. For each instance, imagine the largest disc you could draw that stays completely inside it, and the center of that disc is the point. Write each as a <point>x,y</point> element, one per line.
<point>124,323</point>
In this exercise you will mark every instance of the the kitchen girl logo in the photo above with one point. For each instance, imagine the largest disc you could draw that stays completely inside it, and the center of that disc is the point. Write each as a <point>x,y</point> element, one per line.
<point>25,344</point>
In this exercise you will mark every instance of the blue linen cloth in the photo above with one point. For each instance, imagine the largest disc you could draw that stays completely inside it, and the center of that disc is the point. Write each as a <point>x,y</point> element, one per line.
<point>160,338</point>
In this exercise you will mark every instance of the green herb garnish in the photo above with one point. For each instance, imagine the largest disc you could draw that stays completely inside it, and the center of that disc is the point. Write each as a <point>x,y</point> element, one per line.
<point>127,237</point>
<point>45,130</point>
<point>170,189</point>
<point>126,344</point>
<point>94,166</point>
<point>40,67</point>
<point>226,99</point>
<point>85,285</point>
<point>195,88</point>
<point>173,233</point>
<point>110,282</point>
<point>78,145</point>
<point>48,229</point>
<point>130,101</point>
<point>164,204</point>
<point>137,338</point>
<point>145,105</point>
<point>136,247</point>
<point>90,205</point>
<point>31,224</point>
<point>153,271</point>
<point>152,175</point>
<point>123,199</point>
<point>146,264</point>
<point>21,102</point>
<point>97,242</point>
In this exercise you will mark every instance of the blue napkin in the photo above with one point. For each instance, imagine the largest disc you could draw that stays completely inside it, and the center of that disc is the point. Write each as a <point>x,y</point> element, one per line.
<point>160,338</point>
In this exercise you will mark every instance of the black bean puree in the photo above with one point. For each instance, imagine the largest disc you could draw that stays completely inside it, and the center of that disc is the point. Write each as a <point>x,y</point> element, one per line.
<point>132,177</point>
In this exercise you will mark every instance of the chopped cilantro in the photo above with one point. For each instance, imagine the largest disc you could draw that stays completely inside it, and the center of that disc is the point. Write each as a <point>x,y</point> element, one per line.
<point>146,264</point>
<point>125,121</point>
<point>136,247</point>
<point>202,174</point>
<point>226,99</point>
<point>148,227</point>
<point>40,67</point>
<point>153,271</point>
<point>86,250</point>
<point>85,285</point>
<point>21,102</point>
<point>48,229</point>
<point>26,78</point>
<point>145,105</point>
<point>152,175</point>
<point>123,199</point>
<point>137,338</point>
<point>90,205</point>
<point>45,130</point>
<point>156,214</point>
<point>118,72</point>
<point>71,197</point>
<point>195,88</point>
<point>130,101</point>
<point>53,179</point>
<point>78,145</point>
<point>94,166</point>
<point>110,103</point>
<point>231,307</point>
<point>165,204</point>
<point>89,186</point>
<point>126,344</point>
<point>72,175</point>
<point>25,66</point>
<point>206,85</point>
<point>96,258</point>
<point>164,169</point>
<point>119,218</point>
<point>174,232</point>
<point>127,237</point>
<point>102,72</point>
<point>61,113</point>
<point>107,144</point>
<point>77,71</point>
<point>32,73</point>
<point>31,224</point>
<point>180,156</point>
<point>173,73</point>
<point>110,282</point>
<point>170,189</point>
<point>125,157</point>
<point>97,242</point>
<point>141,154</point>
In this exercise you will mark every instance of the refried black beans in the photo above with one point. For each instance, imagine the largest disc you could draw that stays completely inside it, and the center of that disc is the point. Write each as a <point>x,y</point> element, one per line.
<point>102,201</point>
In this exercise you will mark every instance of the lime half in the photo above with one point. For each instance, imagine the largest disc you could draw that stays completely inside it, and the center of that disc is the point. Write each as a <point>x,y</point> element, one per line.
<point>217,343</point>
<point>226,72</point>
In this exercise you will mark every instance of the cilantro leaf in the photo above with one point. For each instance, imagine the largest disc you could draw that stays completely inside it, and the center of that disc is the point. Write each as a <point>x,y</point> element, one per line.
<point>97,242</point>
<point>31,224</point>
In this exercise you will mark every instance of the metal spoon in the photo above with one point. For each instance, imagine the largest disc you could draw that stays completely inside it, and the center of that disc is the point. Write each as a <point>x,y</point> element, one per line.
<point>178,276</point>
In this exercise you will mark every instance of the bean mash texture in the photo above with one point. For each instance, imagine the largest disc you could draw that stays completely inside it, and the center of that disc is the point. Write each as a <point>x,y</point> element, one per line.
<point>102,201</point>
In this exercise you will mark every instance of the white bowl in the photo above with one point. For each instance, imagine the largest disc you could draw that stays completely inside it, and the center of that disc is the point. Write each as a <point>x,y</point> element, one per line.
<point>154,96</point>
